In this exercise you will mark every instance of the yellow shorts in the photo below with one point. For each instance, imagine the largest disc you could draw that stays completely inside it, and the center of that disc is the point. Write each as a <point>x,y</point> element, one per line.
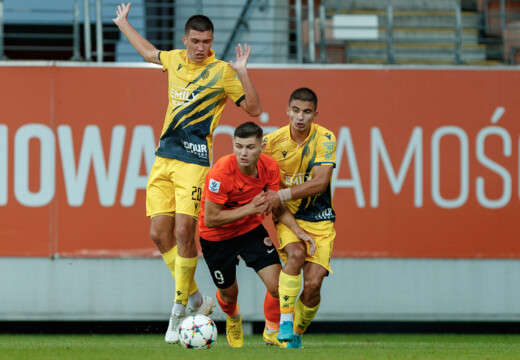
<point>174,187</point>
<point>323,234</point>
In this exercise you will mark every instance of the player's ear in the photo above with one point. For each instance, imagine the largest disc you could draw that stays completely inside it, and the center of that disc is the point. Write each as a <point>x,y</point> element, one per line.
<point>184,40</point>
<point>263,147</point>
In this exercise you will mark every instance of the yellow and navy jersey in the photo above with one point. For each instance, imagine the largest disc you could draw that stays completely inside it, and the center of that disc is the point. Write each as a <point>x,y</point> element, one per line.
<point>297,164</point>
<point>197,95</point>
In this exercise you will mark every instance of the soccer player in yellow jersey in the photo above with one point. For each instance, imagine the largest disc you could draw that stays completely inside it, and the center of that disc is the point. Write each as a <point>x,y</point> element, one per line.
<point>306,155</point>
<point>198,87</point>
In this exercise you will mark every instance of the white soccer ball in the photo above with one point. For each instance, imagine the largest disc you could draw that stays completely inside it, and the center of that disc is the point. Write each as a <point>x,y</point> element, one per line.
<point>197,332</point>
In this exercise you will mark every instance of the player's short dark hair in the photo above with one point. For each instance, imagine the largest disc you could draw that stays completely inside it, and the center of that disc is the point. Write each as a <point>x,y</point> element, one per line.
<point>304,94</point>
<point>248,130</point>
<point>198,23</point>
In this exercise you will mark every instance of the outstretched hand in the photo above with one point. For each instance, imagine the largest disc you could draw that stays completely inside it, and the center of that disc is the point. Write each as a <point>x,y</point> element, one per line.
<point>122,12</point>
<point>242,57</point>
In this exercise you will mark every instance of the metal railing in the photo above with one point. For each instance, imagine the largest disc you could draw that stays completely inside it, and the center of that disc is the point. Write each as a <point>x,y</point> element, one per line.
<point>47,35</point>
<point>503,15</point>
<point>279,31</point>
<point>447,34</point>
<point>269,26</point>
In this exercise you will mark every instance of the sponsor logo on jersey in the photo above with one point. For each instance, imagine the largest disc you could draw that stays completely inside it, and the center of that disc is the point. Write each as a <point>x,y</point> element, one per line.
<point>329,146</point>
<point>201,150</point>
<point>296,179</point>
<point>214,186</point>
<point>284,153</point>
<point>328,155</point>
<point>327,135</point>
<point>326,214</point>
<point>183,96</point>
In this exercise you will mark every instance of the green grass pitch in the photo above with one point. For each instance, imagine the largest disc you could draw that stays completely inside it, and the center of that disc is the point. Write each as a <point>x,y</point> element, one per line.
<point>326,347</point>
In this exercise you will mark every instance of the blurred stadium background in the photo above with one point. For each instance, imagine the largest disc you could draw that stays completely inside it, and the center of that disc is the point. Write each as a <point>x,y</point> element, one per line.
<point>422,96</point>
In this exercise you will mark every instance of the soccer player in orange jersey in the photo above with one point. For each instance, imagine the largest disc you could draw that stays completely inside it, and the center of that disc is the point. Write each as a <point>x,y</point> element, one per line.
<point>230,225</point>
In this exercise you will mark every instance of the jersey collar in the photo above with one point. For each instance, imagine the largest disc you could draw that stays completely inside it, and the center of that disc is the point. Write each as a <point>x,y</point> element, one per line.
<point>312,129</point>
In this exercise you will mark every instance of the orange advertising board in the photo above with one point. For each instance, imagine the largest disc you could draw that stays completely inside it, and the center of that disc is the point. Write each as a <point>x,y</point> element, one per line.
<point>427,160</point>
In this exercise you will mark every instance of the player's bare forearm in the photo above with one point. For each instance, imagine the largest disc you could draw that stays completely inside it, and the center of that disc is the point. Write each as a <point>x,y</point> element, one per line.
<point>317,185</point>
<point>215,215</point>
<point>143,46</point>
<point>251,103</point>
<point>286,217</point>
<point>224,217</point>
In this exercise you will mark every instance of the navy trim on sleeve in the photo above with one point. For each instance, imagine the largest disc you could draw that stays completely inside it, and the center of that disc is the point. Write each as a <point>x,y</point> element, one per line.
<point>325,163</point>
<point>240,100</point>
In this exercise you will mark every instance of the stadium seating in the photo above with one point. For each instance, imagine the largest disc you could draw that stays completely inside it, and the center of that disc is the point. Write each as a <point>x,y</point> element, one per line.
<point>420,32</point>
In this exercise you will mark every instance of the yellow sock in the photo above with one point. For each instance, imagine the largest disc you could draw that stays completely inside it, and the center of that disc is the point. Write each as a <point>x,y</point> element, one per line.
<point>289,287</point>
<point>303,316</point>
<point>184,271</point>
<point>169,258</point>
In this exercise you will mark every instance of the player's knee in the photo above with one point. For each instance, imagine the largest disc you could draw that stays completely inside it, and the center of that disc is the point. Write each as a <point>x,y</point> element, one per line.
<point>158,236</point>
<point>229,297</point>
<point>296,252</point>
<point>313,286</point>
<point>273,292</point>
<point>184,235</point>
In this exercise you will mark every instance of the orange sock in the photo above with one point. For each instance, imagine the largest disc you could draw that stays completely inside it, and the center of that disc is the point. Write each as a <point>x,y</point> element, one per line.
<point>230,309</point>
<point>271,312</point>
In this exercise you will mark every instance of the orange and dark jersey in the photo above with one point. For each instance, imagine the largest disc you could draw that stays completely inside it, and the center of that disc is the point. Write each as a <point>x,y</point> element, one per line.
<point>197,96</point>
<point>227,186</point>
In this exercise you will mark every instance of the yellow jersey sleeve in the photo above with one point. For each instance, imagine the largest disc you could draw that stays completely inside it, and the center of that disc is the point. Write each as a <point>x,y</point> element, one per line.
<point>232,85</point>
<point>326,149</point>
<point>164,58</point>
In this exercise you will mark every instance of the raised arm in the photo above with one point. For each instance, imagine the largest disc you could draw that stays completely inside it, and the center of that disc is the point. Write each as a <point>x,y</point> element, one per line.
<point>215,215</point>
<point>143,46</point>
<point>251,103</point>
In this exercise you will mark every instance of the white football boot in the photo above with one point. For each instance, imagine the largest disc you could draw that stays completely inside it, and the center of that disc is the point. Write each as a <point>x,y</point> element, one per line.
<point>172,333</point>
<point>205,308</point>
